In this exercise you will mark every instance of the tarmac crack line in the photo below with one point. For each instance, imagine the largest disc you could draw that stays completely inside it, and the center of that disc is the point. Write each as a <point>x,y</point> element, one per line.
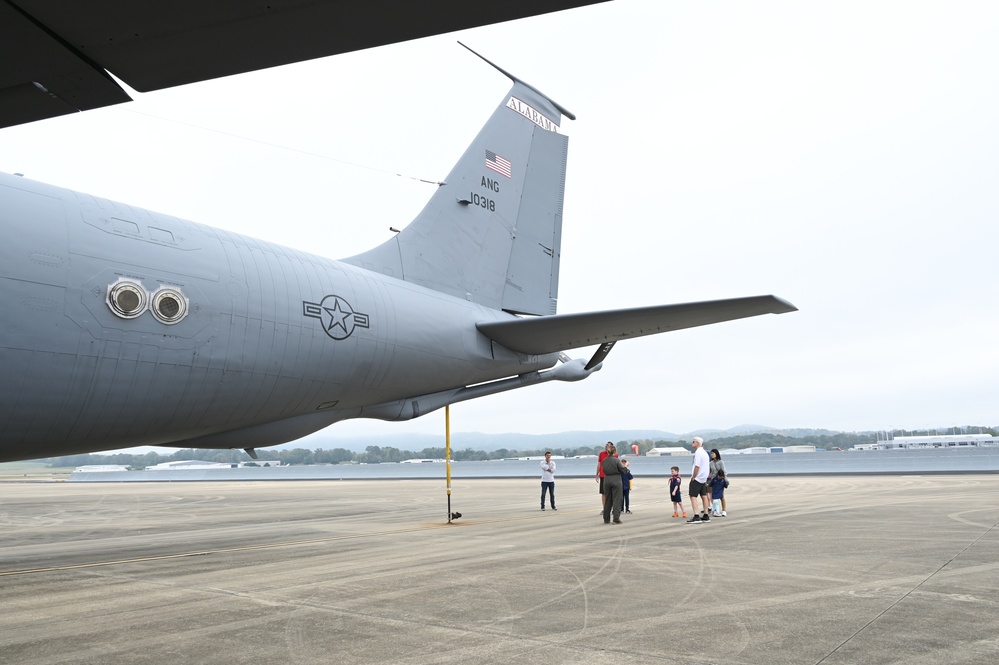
<point>908,593</point>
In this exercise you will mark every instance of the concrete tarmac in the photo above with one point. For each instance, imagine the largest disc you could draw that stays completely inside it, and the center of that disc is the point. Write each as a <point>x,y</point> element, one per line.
<point>818,570</point>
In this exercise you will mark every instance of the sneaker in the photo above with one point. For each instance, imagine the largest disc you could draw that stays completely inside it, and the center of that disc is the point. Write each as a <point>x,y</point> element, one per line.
<point>542,507</point>
<point>684,514</point>
<point>696,519</point>
<point>617,521</point>
<point>724,514</point>
<point>628,512</point>
<point>705,518</point>
<point>554,508</point>
<point>676,515</point>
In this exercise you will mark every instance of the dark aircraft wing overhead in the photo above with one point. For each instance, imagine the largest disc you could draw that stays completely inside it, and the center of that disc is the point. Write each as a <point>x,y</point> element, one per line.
<point>54,54</point>
<point>551,334</point>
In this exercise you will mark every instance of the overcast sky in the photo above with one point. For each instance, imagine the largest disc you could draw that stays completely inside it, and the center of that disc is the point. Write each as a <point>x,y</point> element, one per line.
<point>842,156</point>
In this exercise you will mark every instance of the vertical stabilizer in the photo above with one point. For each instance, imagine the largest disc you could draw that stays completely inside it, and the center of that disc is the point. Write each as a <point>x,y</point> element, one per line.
<point>492,233</point>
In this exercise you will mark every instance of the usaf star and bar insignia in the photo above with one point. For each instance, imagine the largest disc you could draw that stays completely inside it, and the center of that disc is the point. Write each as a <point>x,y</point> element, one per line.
<point>338,318</point>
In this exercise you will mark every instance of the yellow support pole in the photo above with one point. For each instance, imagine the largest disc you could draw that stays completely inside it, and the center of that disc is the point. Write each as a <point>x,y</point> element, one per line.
<point>447,456</point>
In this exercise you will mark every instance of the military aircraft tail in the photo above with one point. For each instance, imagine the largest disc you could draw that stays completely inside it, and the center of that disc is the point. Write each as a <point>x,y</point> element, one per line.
<point>491,233</point>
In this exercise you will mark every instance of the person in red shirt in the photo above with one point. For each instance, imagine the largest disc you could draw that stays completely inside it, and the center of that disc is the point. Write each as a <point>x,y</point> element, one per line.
<point>600,471</point>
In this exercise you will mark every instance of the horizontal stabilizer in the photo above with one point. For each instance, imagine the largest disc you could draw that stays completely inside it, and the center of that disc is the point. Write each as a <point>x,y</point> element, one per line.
<point>551,334</point>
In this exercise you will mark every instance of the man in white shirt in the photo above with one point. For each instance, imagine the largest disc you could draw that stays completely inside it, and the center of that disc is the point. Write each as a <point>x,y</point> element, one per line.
<point>699,482</point>
<point>548,480</point>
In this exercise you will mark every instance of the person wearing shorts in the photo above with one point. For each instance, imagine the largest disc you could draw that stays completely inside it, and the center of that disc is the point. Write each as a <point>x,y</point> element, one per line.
<point>698,487</point>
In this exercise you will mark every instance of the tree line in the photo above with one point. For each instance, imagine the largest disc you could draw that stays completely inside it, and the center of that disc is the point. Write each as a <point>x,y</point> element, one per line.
<point>384,454</point>
<point>300,456</point>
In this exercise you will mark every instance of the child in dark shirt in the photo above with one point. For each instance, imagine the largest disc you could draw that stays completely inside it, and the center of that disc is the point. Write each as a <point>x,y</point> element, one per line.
<point>675,495</point>
<point>718,485</point>
<point>626,479</point>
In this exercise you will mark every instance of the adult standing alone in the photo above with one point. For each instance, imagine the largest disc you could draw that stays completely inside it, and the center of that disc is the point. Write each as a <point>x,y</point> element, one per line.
<point>699,482</point>
<point>613,487</point>
<point>548,480</point>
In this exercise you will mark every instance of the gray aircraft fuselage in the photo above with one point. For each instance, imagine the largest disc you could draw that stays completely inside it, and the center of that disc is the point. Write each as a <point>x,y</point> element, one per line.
<point>271,333</point>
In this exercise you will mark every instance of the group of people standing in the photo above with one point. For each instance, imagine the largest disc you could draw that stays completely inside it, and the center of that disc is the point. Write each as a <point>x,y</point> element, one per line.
<point>614,478</point>
<point>708,473</point>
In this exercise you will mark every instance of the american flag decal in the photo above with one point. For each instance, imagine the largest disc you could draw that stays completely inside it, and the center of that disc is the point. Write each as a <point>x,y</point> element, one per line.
<point>497,163</point>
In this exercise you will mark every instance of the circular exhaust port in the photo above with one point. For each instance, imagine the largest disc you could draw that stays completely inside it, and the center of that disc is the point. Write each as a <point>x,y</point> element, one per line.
<point>126,298</point>
<point>169,305</point>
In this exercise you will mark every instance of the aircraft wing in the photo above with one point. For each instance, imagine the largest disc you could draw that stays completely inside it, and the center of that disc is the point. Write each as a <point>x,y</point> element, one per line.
<point>551,334</point>
<point>54,56</point>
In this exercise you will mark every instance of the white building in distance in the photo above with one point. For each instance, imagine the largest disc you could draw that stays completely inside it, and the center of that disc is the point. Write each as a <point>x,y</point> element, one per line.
<point>200,465</point>
<point>932,441</point>
<point>99,468</point>
<point>668,452</point>
<point>759,450</point>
